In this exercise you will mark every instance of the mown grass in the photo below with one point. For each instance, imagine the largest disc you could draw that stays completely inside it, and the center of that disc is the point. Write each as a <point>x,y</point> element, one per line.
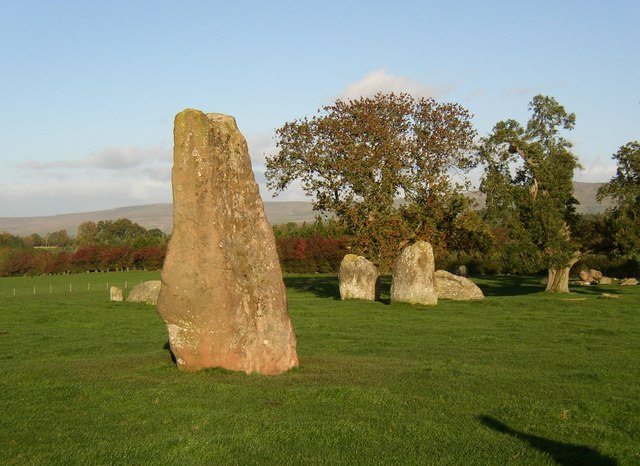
<point>521,377</point>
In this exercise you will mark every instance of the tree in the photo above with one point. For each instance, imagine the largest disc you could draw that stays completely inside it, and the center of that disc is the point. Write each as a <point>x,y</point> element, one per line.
<point>528,181</point>
<point>624,188</point>
<point>357,157</point>
<point>87,233</point>
<point>58,238</point>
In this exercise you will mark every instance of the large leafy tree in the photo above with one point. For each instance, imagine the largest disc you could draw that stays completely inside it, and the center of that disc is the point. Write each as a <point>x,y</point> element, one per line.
<point>356,158</point>
<point>624,189</point>
<point>529,184</point>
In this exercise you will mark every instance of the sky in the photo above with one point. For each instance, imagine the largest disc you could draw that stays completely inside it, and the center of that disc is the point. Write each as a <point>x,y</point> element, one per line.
<point>88,90</point>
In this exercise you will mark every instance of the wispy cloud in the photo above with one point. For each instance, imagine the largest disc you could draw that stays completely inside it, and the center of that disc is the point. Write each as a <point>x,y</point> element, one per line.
<point>118,158</point>
<point>598,170</point>
<point>111,178</point>
<point>382,81</point>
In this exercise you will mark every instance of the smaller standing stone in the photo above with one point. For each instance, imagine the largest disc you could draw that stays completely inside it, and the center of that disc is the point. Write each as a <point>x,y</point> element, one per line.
<point>585,276</point>
<point>413,275</point>
<point>461,270</point>
<point>450,286</point>
<point>629,281</point>
<point>595,274</point>
<point>358,278</point>
<point>145,292</point>
<point>115,293</point>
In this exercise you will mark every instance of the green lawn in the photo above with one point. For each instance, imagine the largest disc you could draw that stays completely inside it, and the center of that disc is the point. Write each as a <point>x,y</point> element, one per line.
<point>522,377</point>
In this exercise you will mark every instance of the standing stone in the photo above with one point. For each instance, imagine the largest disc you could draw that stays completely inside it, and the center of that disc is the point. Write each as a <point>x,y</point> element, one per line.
<point>595,274</point>
<point>585,276</point>
<point>413,275</point>
<point>461,270</point>
<point>222,296</point>
<point>450,286</point>
<point>115,293</point>
<point>358,278</point>
<point>145,292</point>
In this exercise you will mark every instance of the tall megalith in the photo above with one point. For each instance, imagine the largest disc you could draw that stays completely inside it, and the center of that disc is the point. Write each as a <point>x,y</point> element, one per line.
<point>222,294</point>
<point>413,275</point>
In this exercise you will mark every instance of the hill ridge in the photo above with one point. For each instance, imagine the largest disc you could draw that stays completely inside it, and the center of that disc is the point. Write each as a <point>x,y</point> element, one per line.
<point>160,215</point>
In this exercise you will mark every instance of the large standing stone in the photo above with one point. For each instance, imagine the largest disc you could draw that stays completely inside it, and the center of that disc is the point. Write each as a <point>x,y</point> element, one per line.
<point>358,278</point>
<point>222,295</point>
<point>145,292</point>
<point>413,275</point>
<point>450,286</point>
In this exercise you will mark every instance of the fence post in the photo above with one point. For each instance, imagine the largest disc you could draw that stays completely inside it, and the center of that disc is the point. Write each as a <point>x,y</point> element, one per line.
<point>14,292</point>
<point>69,287</point>
<point>34,289</point>
<point>50,289</point>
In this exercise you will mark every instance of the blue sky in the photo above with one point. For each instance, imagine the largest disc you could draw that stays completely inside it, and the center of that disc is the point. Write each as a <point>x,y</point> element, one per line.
<point>89,89</point>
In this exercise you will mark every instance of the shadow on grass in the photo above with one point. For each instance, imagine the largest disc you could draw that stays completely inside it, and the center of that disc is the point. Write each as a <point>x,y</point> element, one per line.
<point>322,286</point>
<point>167,347</point>
<point>328,287</point>
<point>509,286</point>
<point>562,453</point>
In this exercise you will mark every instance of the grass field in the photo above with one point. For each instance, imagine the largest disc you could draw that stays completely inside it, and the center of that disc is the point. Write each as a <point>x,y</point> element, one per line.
<point>522,377</point>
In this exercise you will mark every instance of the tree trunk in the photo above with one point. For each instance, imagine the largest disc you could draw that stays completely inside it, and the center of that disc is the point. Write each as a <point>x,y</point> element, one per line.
<point>558,280</point>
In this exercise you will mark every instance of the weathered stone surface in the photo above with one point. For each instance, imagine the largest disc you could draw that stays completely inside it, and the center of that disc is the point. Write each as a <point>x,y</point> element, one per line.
<point>608,296</point>
<point>115,293</point>
<point>629,281</point>
<point>595,274</point>
<point>145,292</point>
<point>358,278</point>
<point>605,281</point>
<point>450,286</point>
<point>585,276</point>
<point>413,275</point>
<point>222,296</point>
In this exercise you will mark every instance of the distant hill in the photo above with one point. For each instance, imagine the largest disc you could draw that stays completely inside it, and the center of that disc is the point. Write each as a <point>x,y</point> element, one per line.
<point>160,215</point>
<point>585,193</point>
<point>149,216</point>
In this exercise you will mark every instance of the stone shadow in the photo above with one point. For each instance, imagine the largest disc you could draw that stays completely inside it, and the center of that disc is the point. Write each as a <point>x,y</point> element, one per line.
<point>167,347</point>
<point>567,454</point>
<point>322,286</point>
<point>509,286</point>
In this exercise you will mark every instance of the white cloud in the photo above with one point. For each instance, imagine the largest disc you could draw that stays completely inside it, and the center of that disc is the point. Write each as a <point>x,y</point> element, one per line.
<point>110,178</point>
<point>79,195</point>
<point>261,145</point>
<point>381,81</point>
<point>599,170</point>
<point>118,158</point>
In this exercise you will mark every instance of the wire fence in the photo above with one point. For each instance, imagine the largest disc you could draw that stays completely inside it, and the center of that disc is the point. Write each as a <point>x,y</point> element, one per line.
<point>58,288</point>
<point>58,285</point>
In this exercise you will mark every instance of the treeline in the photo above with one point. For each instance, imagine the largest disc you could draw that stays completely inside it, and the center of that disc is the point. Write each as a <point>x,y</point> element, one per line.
<point>316,247</point>
<point>109,245</point>
<point>103,258</point>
